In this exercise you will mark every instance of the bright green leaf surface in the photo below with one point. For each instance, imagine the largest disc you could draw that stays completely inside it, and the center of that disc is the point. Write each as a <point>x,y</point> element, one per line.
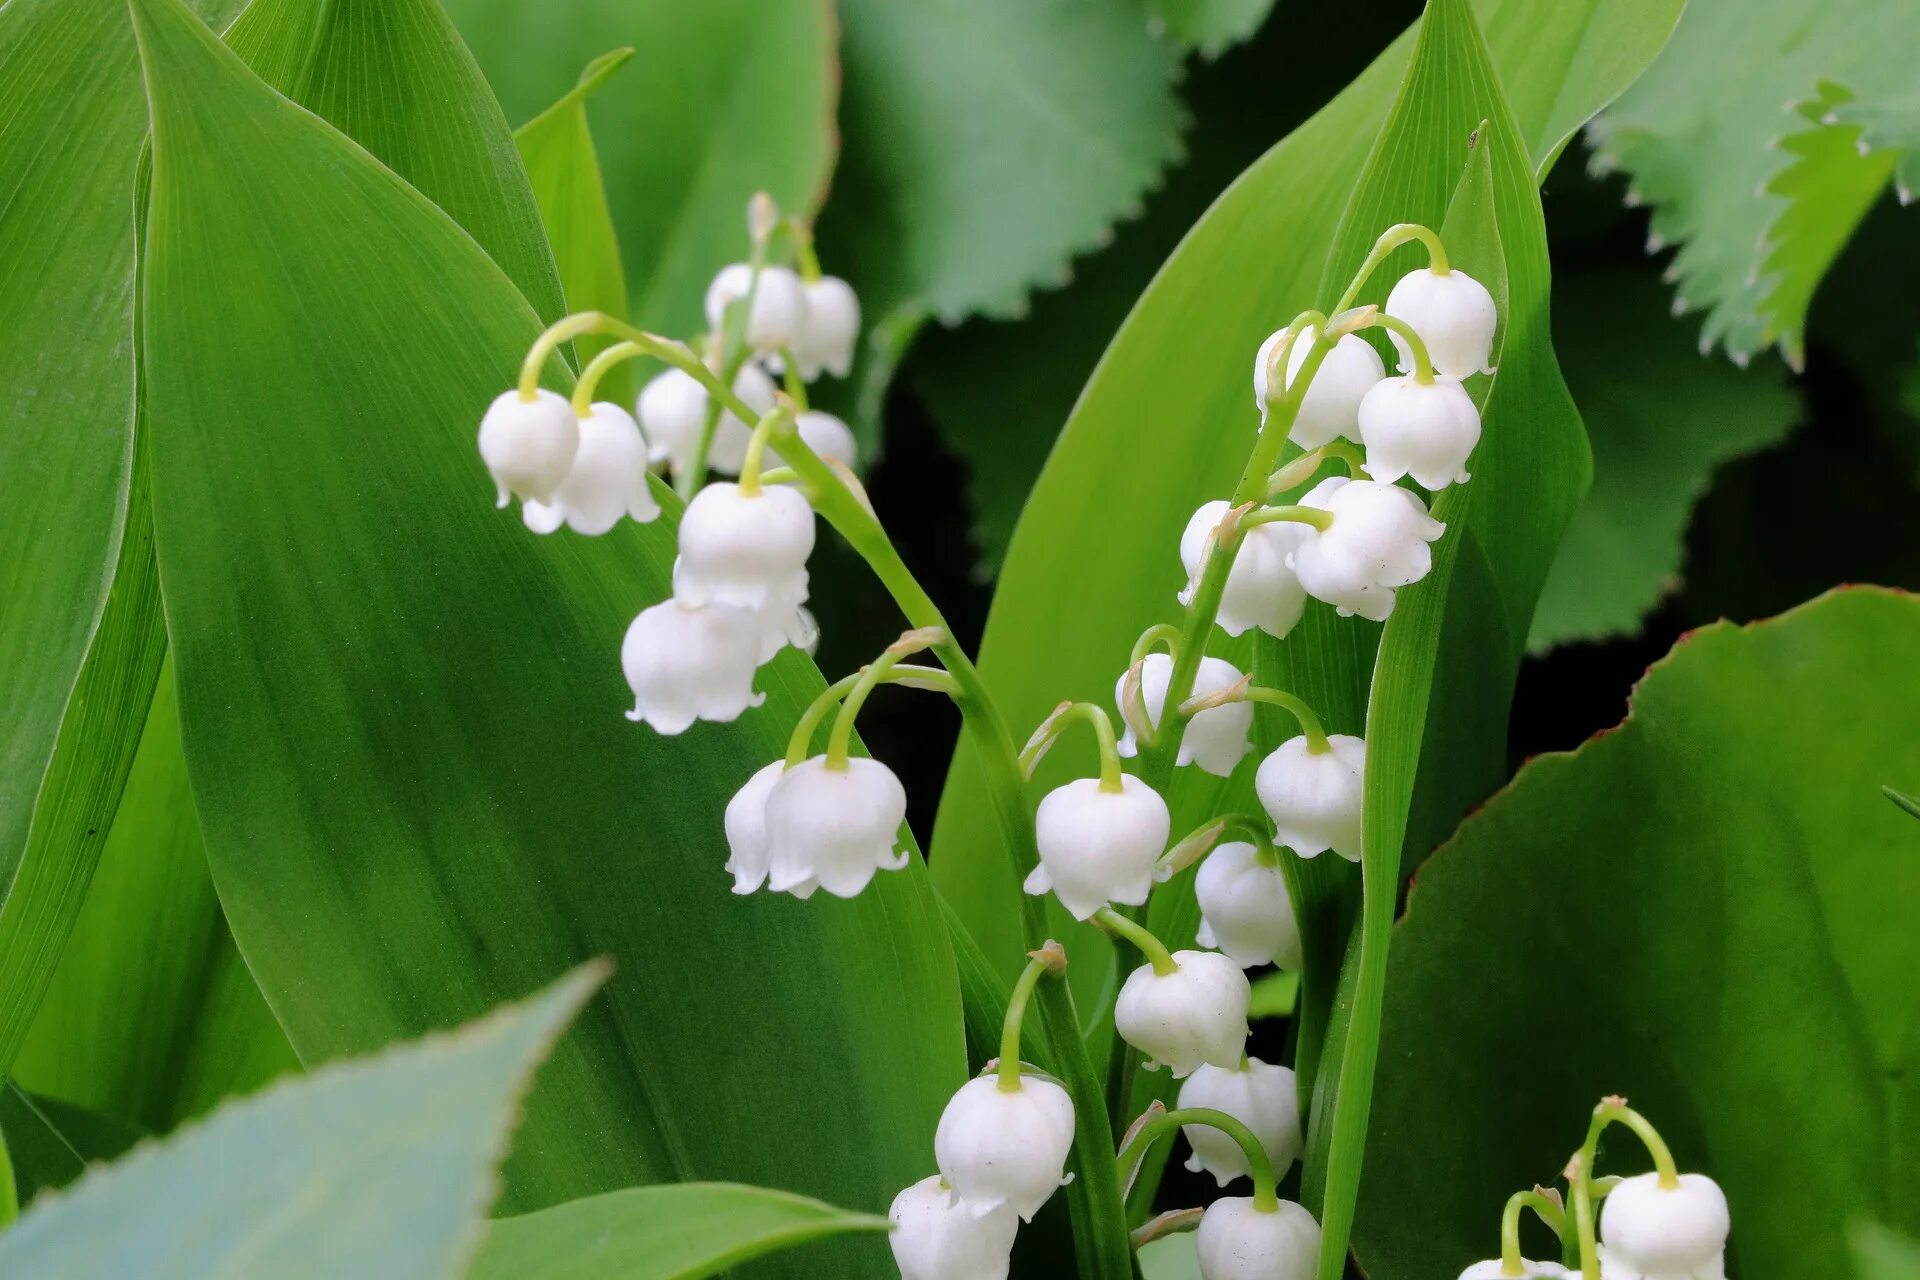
<point>558,150</point>
<point>376,1168</point>
<point>52,1142</point>
<point>393,76</point>
<point>685,1231</point>
<point>1880,1254</point>
<point>152,1014</point>
<point>724,98</point>
<point>1761,136</point>
<point>1174,1257</point>
<point>1725,951</point>
<point>1661,418</point>
<point>1210,25</point>
<point>392,615</point>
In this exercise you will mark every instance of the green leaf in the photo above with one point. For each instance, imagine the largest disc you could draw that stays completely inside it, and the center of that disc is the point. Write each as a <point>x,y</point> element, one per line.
<point>152,1014</point>
<point>1714,951</point>
<point>1661,420</point>
<point>1174,1257</point>
<point>726,98</point>
<point>1880,1254</point>
<point>402,711</point>
<point>1209,26</point>
<point>681,1232</point>
<point>52,1142</point>
<point>1761,137</point>
<point>394,77</point>
<point>557,148</point>
<point>383,1166</point>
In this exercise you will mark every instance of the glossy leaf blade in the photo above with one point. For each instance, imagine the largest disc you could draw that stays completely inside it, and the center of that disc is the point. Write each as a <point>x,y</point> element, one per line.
<point>392,615</point>
<point>685,1231</point>
<point>382,1167</point>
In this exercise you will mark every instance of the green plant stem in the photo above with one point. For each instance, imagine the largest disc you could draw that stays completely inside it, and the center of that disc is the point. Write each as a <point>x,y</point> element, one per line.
<point>769,425</point>
<point>800,741</point>
<point>1265,1195</point>
<point>1390,239</point>
<point>1050,730</point>
<point>1422,362</point>
<point>1197,844</point>
<point>1302,469</point>
<point>1038,966</point>
<point>1141,937</point>
<point>1314,516</point>
<point>1580,1171</point>
<point>733,355</point>
<point>1548,1212</point>
<point>1295,706</point>
<point>1101,1244</point>
<point>840,741</point>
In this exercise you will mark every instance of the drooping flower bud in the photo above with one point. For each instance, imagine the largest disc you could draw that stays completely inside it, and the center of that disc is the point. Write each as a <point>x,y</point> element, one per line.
<point>1329,409</point>
<point>831,828</point>
<point>1245,910</point>
<point>608,479</point>
<point>1376,544</point>
<point>1454,315</point>
<point>825,434</point>
<point>749,551</point>
<point>1237,1240</point>
<point>936,1237</point>
<point>672,410</point>
<point>1262,590</point>
<point>1099,846</point>
<point>779,304</point>
<point>1315,798</point>
<point>1651,1232</point>
<point>1215,738</point>
<point>1423,429</point>
<point>1264,1098</point>
<point>746,827</point>
<point>1005,1147</point>
<point>687,664</point>
<point>1193,1015</point>
<point>528,445</point>
<point>1495,1269</point>
<point>832,326</point>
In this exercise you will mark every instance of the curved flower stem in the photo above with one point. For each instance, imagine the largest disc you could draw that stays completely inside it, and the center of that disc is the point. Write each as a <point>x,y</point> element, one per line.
<point>1266,1198</point>
<point>1051,958</point>
<point>1319,519</point>
<point>1580,1171</point>
<point>1201,841</point>
<point>1296,707</point>
<point>1390,239</point>
<point>1302,469</point>
<point>1422,361</point>
<point>1159,635</point>
<point>597,369</point>
<point>1546,1210</point>
<point>1051,729</point>
<point>796,387</point>
<point>840,741</point>
<point>800,741</point>
<point>1100,1219</point>
<point>763,219</point>
<point>776,421</point>
<point>1143,941</point>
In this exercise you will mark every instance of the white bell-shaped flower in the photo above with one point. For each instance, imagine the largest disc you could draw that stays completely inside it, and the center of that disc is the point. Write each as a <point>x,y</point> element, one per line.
<point>831,828</point>
<point>1239,1241</point>
<point>749,551</point>
<point>1099,846</point>
<point>528,445</point>
<point>1315,798</point>
<point>1331,406</point>
<point>827,336</point>
<point>608,479</point>
<point>746,826</point>
<point>1421,429</point>
<point>935,1237</point>
<point>687,664</point>
<point>1245,910</point>
<point>1376,544</point>
<point>1193,1015</point>
<point>1666,1233</point>
<point>1005,1147</point>
<point>779,303</point>
<point>1262,590</point>
<point>672,409</point>
<point>1495,1269</point>
<point>1215,738</point>
<point>1454,315</point>
<point>823,433</point>
<point>1263,1097</point>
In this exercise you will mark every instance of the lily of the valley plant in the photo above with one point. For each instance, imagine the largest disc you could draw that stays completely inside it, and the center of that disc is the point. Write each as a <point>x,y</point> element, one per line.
<point>1333,526</point>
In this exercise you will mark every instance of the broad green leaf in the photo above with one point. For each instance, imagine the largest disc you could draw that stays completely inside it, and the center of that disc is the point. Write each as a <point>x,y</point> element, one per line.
<point>380,1167</point>
<point>402,711</point>
<point>393,76</point>
<point>1760,137</point>
<point>1084,577</point>
<point>564,169</point>
<point>52,1142</point>
<point>684,1231</point>
<point>1661,419</point>
<point>152,1014</point>
<point>1172,1257</point>
<point>1209,26</point>
<point>1723,949</point>
<point>9,1189</point>
<point>1880,1254</point>
<point>725,98</point>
